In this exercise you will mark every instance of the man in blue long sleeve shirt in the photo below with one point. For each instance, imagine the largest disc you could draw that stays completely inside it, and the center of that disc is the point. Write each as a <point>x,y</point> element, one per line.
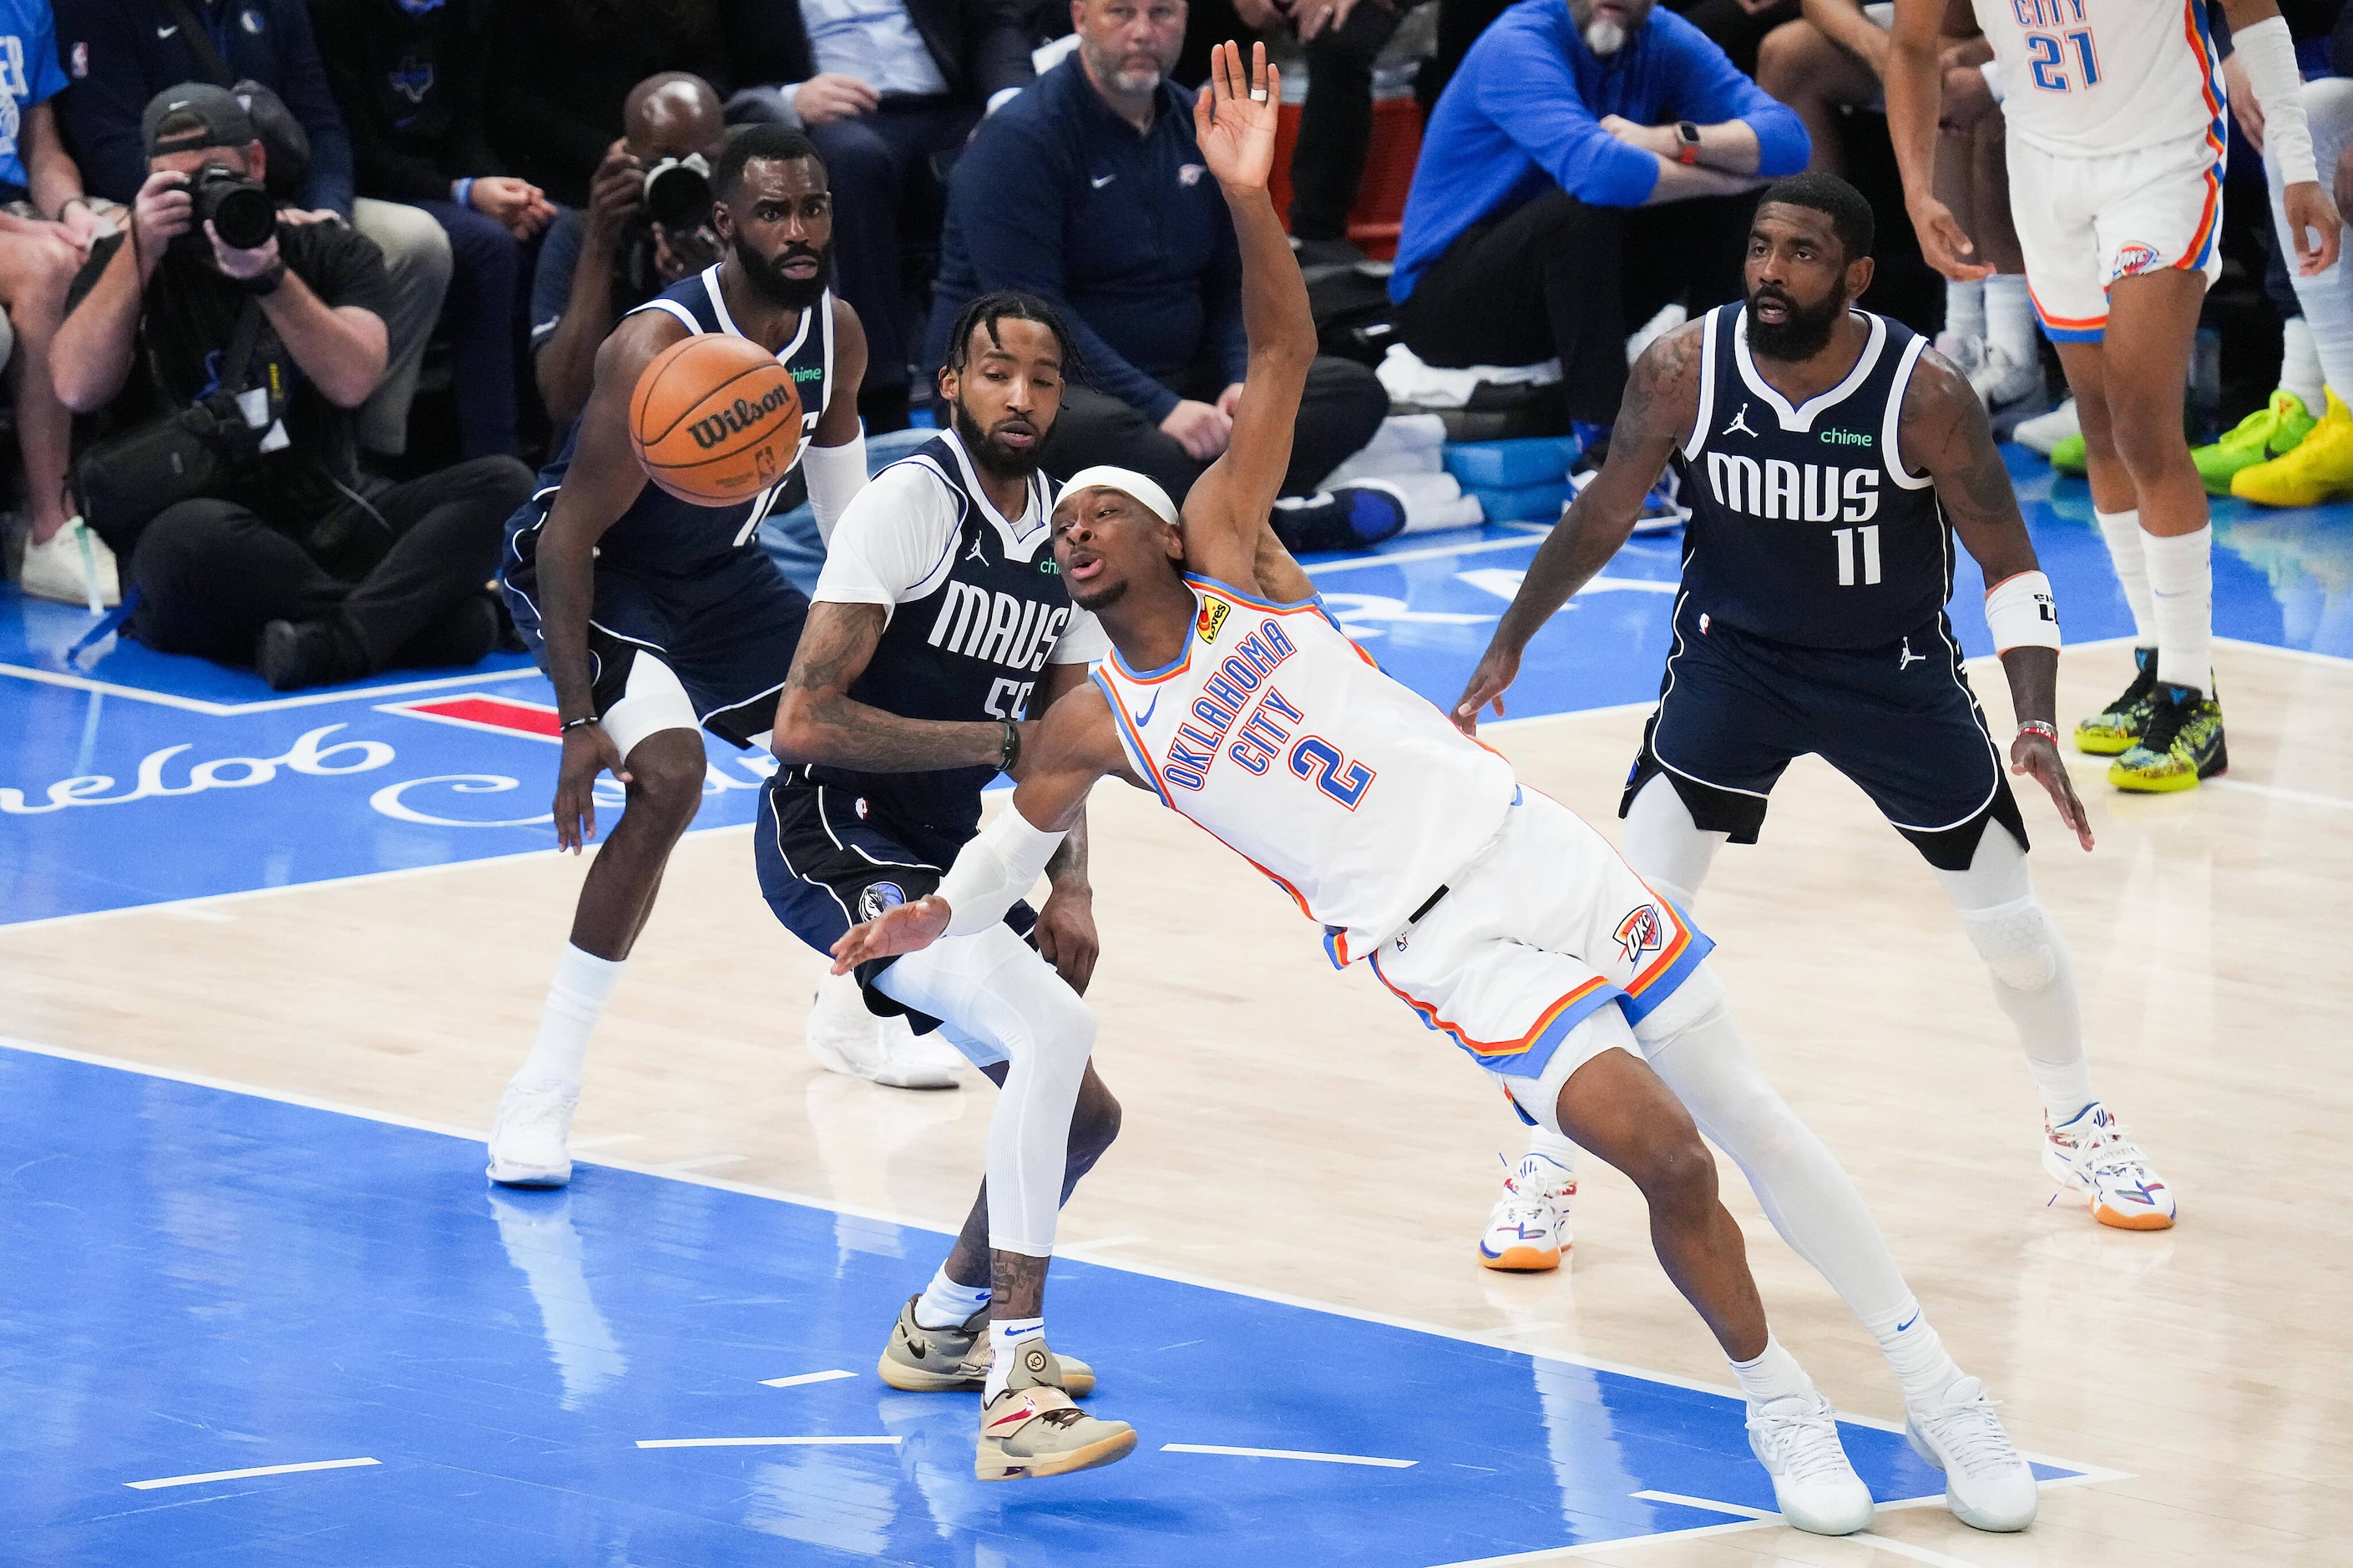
<point>121,53</point>
<point>1088,191</point>
<point>1591,161</point>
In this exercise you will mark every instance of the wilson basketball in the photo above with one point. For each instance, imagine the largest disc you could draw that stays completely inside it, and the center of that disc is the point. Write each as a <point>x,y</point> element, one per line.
<point>715,419</point>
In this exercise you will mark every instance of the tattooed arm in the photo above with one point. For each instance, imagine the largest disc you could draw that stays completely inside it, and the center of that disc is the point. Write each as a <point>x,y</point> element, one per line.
<point>1944,434</point>
<point>1655,418</point>
<point>818,721</point>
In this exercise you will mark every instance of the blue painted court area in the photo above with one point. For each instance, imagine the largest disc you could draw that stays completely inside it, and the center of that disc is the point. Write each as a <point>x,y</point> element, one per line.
<point>140,777</point>
<point>205,1281</point>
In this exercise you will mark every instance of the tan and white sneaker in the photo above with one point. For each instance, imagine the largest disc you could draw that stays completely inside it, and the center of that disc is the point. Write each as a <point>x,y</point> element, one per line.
<point>1032,1429</point>
<point>947,1360</point>
<point>75,567</point>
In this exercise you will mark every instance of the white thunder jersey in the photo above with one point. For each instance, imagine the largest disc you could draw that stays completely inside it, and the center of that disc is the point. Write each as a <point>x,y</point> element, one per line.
<point>2091,78</point>
<point>1280,736</point>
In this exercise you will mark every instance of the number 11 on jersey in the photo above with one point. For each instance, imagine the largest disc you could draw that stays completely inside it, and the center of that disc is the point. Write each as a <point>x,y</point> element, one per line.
<point>1845,537</point>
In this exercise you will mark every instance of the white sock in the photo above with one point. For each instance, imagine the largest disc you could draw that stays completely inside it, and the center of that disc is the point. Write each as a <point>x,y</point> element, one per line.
<point>2122,531</point>
<point>2009,316</point>
<point>2181,593</point>
<point>1008,1337</point>
<point>575,1000</point>
<point>1965,309</point>
<point>945,1304</point>
<point>1774,1374</point>
<point>2300,364</point>
<point>1914,1353</point>
<point>1552,1146</point>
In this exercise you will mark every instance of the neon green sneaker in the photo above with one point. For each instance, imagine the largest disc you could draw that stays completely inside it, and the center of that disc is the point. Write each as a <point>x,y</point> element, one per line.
<point>2274,429</point>
<point>2067,457</point>
<point>2181,745</point>
<point>2112,731</point>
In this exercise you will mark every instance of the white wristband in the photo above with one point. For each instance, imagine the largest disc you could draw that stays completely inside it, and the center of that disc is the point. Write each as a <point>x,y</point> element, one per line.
<point>2267,54</point>
<point>1003,861</point>
<point>2021,613</point>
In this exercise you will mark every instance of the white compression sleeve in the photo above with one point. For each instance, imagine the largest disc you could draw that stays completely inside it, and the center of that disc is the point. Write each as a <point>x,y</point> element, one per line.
<point>1664,847</point>
<point>2033,978</point>
<point>2268,53</point>
<point>1002,862</point>
<point>836,475</point>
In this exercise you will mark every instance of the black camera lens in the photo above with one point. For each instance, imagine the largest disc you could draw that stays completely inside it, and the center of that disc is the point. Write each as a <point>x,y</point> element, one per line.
<point>678,195</point>
<point>239,209</point>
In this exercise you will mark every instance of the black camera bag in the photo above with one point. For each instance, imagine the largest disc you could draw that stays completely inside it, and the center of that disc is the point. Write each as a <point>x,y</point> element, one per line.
<point>121,482</point>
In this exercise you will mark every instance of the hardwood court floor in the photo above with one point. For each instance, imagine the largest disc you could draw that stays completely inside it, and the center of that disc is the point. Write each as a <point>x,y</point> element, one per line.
<point>1293,1129</point>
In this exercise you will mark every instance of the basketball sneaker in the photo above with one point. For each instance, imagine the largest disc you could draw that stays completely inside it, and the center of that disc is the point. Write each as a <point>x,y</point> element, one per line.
<point>2273,430</point>
<point>2113,730</point>
<point>2089,1153</point>
<point>1032,1429</point>
<point>2320,469</point>
<point>527,1141</point>
<point>2182,744</point>
<point>75,567</point>
<point>2045,432</point>
<point>2067,455</point>
<point>1988,1485</point>
<point>847,1038</point>
<point>947,1360</point>
<point>1797,1441</point>
<point>1528,1228</point>
<point>2002,380</point>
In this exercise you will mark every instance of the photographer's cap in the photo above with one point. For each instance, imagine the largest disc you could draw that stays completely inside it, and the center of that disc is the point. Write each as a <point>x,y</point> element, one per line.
<point>194,114</point>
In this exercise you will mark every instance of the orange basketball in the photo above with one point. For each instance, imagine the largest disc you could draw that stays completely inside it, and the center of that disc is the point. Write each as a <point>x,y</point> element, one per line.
<point>715,419</point>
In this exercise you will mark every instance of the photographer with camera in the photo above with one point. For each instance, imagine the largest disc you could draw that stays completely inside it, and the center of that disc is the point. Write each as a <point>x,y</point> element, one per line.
<point>222,350</point>
<point>647,225</point>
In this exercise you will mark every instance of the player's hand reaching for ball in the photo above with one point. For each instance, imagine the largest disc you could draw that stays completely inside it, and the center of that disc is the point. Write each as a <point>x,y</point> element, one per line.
<point>587,752</point>
<point>901,929</point>
<point>2036,754</point>
<point>1234,117</point>
<point>1498,668</point>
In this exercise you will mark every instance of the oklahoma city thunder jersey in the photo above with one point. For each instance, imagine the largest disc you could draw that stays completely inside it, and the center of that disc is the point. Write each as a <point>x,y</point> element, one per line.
<point>1277,734</point>
<point>2090,78</point>
<point>1806,528</point>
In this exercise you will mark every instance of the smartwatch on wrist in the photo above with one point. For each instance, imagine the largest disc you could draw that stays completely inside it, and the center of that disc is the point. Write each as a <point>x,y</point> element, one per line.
<point>1686,142</point>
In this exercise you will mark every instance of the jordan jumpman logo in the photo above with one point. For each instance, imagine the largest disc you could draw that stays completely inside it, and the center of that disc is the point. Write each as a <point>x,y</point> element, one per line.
<point>1740,423</point>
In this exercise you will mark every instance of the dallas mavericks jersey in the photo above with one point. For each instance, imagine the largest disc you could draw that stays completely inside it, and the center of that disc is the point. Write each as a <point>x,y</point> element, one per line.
<point>1806,528</point>
<point>1280,736</point>
<point>662,536</point>
<point>2088,77</point>
<point>971,650</point>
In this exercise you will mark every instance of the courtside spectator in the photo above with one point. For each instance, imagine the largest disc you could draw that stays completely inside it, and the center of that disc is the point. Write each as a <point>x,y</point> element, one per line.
<point>1088,191</point>
<point>288,558</point>
<point>410,78</point>
<point>599,264</point>
<point>564,69</point>
<point>1593,161</point>
<point>123,52</point>
<point>46,226</point>
<point>889,91</point>
<point>1341,38</point>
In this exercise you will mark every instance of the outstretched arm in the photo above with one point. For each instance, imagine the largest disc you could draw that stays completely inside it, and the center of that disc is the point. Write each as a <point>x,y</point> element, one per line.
<point>1661,403</point>
<point>1943,432</point>
<point>1914,83</point>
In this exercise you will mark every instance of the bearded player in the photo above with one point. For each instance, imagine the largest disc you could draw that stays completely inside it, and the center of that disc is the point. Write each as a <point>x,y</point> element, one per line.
<point>1490,911</point>
<point>2117,129</point>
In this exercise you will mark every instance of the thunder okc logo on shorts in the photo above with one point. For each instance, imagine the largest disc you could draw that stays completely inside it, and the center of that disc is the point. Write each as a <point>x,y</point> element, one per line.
<point>881,898</point>
<point>1641,931</point>
<point>2133,259</point>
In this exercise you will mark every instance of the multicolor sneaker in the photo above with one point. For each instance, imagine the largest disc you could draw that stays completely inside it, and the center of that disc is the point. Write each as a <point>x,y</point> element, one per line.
<point>2089,1153</point>
<point>2270,431</point>
<point>2067,455</point>
<point>1988,1485</point>
<point>1815,1489</point>
<point>2113,730</point>
<point>2181,745</point>
<point>1528,1229</point>
<point>1032,1429</point>
<point>2320,469</point>
<point>949,1361</point>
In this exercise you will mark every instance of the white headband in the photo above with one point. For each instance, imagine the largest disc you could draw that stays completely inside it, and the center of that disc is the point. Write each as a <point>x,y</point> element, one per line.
<point>1127,482</point>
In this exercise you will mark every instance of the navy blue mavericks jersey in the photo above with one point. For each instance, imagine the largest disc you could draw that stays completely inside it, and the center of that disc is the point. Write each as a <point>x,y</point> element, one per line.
<point>1806,528</point>
<point>971,648</point>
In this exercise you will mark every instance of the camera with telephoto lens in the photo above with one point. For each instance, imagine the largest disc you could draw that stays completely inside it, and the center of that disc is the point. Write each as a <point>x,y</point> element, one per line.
<point>239,209</point>
<point>678,193</point>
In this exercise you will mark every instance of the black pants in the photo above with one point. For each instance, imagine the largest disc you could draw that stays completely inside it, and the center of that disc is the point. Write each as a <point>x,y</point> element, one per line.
<point>887,208</point>
<point>1559,278</point>
<point>1335,125</point>
<point>211,573</point>
<point>1342,406</point>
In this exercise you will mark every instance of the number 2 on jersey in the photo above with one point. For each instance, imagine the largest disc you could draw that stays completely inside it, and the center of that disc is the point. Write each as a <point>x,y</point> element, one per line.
<point>1343,779</point>
<point>1845,537</point>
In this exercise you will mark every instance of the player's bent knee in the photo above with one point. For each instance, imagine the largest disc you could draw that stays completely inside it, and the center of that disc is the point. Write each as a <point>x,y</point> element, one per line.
<point>1675,1171</point>
<point>665,773</point>
<point>2018,943</point>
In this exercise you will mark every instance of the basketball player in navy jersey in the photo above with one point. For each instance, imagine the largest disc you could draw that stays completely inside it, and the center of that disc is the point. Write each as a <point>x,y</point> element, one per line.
<point>655,617</point>
<point>941,623</point>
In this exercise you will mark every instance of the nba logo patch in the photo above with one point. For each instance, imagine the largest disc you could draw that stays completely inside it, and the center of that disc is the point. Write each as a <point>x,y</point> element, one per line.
<point>1212,618</point>
<point>879,898</point>
<point>2133,259</point>
<point>1641,931</point>
<point>80,62</point>
<point>1190,174</point>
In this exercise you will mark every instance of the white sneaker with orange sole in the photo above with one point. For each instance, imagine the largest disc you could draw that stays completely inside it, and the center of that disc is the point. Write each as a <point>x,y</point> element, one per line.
<point>2091,1154</point>
<point>1528,1229</point>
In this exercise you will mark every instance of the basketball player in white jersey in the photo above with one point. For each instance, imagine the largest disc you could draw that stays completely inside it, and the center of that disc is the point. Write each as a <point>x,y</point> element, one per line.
<point>1490,911</point>
<point>2117,130</point>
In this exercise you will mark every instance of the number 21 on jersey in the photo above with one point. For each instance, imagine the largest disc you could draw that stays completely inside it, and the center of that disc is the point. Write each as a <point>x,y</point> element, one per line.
<point>2060,55</point>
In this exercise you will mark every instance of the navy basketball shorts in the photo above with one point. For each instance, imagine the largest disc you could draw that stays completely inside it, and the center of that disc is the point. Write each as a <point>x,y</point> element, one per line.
<point>828,860</point>
<point>727,633</point>
<point>1899,720</point>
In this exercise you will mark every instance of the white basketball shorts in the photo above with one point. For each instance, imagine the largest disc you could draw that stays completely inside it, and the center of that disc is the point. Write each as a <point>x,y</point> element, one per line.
<point>2083,223</point>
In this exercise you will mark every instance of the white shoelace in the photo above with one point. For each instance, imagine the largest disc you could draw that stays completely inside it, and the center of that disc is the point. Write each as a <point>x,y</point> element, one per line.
<point>1802,1434</point>
<point>1970,1431</point>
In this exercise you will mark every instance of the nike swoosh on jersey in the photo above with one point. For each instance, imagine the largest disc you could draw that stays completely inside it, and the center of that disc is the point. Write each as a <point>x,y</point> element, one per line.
<point>167,32</point>
<point>1146,717</point>
<point>1106,180</point>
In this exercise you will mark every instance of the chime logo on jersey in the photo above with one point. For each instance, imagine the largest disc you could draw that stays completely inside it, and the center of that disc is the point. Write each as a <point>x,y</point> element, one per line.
<point>998,628</point>
<point>1779,490</point>
<point>1213,617</point>
<point>1641,931</point>
<point>879,898</point>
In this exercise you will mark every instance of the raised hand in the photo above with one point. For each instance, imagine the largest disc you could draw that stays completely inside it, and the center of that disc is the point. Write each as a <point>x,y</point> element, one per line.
<point>1234,117</point>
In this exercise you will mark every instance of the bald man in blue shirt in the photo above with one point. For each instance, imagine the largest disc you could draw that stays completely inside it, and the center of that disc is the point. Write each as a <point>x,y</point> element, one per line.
<point>1591,162</point>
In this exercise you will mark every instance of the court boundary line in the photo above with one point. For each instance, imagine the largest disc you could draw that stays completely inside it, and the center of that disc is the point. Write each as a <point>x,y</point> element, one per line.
<point>2083,1474</point>
<point>211,710</point>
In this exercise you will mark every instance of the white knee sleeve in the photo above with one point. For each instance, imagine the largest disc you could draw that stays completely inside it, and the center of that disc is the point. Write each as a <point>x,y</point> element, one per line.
<point>652,702</point>
<point>1664,845</point>
<point>2017,941</point>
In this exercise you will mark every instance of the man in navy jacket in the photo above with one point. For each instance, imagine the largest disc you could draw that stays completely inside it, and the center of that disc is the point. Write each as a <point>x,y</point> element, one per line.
<point>1591,162</point>
<point>1088,191</point>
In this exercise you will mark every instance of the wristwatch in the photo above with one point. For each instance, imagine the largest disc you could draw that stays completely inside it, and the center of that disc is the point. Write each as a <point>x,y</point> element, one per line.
<point>1686,142</point>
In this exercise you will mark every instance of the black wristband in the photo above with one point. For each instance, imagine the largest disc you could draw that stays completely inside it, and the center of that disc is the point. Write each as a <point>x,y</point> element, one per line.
<point>570,724</point>
<point>1011,751</point>
<point>264,284</point>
